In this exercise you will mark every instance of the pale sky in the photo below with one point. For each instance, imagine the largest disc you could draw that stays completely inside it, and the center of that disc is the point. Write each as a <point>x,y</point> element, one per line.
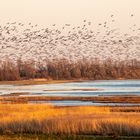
<point>47,12</point>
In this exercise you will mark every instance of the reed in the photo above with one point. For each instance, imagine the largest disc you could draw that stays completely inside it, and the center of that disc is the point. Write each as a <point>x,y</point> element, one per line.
<point>43,119</point>
<point>16,98</point>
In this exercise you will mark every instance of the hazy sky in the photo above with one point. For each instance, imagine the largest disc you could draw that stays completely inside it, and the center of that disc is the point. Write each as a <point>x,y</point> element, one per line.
<point>47,12</point>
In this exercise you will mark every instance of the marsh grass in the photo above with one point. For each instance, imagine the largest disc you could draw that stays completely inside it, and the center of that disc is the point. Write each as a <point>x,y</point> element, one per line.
<point>43,119</point>
<point>16,98</point>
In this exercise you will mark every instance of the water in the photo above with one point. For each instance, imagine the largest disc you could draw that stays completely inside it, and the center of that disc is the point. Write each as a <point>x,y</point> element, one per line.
<point>84,89</point>
<point>80,89</point>
<point>81,103</point>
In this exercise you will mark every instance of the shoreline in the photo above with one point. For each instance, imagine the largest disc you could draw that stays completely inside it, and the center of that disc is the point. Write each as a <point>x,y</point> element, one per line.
<point>40,81</point>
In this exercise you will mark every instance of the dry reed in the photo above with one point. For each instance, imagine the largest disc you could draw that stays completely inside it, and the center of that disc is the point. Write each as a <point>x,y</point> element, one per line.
<point>43,119</point>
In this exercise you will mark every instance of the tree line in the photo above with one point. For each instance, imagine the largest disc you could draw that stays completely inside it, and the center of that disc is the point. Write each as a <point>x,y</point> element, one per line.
<point>65,70</point>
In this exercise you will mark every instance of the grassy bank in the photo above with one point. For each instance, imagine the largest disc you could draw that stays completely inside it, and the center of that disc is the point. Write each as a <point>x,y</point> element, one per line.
<point>42,119</point>
<point>37,82</point>
<point>15,98</point>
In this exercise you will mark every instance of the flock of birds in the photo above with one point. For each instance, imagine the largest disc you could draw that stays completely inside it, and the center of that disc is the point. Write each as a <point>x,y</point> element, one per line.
<point>30,42</point>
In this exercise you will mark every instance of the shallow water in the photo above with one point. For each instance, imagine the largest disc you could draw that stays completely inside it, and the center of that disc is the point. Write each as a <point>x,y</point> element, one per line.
<point>81,103</point>
<point>81,89</point>
<point>103,87</point>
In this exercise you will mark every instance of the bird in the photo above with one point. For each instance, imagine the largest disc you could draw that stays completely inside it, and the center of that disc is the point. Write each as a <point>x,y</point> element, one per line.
<point>77,42</point>
<point>112,15</point>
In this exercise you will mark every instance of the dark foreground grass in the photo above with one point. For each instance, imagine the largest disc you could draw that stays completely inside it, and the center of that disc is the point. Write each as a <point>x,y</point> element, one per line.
<point>62,137</point>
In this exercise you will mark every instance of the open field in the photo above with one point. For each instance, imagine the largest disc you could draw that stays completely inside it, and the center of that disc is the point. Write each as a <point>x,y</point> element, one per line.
<point>47,119</point>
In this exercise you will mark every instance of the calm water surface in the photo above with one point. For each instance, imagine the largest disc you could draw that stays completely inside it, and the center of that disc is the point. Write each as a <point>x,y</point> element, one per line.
<point>82,89</point>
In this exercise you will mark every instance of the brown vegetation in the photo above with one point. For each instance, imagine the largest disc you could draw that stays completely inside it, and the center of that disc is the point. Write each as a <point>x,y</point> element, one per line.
<point>9,71</point>
<point>43,119</point>
<point>16,98</point>
<point>38,82</point>
<point>62,69</point>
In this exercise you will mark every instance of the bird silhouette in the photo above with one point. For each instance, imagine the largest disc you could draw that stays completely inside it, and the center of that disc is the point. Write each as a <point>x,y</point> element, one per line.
<point>21,41</point>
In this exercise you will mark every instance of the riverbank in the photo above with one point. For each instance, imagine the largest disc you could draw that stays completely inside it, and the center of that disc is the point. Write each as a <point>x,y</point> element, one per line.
<point>38,82</point>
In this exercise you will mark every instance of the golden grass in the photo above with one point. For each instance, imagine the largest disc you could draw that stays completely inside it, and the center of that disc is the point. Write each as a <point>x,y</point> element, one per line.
<point>37,82</point>
<point>46,119</point>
